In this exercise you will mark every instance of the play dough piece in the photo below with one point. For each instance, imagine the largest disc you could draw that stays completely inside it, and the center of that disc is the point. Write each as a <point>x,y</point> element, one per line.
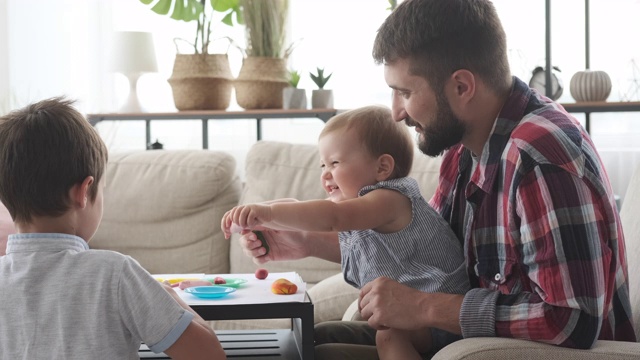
<point>283,287</point>
<point>218,280</point>
<point>262,273</point>
<point>262,240</point>
<point>191,283</point>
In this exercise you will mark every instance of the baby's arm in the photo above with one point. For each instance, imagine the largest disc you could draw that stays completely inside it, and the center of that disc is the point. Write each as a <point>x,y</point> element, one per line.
<point>379,209</point>
<point>229,225</point>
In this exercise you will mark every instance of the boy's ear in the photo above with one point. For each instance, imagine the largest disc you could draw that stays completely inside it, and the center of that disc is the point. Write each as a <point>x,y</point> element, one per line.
<point>80,192</point>
<point>386,164</point>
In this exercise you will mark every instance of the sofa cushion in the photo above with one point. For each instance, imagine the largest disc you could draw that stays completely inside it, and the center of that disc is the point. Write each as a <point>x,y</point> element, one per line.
<point>164,209</point>
<point>278,170</point>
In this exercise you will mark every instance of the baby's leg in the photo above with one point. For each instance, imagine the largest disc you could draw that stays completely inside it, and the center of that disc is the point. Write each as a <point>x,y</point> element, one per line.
<point>402,344</point>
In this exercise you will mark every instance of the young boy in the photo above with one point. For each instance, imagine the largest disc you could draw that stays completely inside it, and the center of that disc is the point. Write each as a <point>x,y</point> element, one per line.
<point>386,228</point>
<point>61,300</point>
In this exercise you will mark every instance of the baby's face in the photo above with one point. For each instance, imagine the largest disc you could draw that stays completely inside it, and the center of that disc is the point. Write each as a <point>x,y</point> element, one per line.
<point>346,165</point>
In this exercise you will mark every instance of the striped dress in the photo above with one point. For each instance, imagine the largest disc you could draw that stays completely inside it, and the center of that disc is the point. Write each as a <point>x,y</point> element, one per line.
<point>425,255</point>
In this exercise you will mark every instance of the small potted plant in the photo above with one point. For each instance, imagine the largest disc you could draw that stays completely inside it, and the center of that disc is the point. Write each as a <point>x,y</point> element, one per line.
<point>263,74</point>
<point>321,98</point>
<point>292,97</point>
<point>200,81</point>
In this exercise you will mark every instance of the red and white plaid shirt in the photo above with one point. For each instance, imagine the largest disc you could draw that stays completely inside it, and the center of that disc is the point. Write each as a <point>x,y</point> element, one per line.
<point>542,237</point>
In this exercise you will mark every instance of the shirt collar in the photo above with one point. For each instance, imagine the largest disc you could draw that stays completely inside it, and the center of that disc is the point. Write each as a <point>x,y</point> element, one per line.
<point>520,102</point>
<point>34,242</point>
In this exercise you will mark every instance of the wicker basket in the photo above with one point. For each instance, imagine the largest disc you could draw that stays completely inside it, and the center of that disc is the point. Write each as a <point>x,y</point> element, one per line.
<point>201,82</point>
<point>260,82</point>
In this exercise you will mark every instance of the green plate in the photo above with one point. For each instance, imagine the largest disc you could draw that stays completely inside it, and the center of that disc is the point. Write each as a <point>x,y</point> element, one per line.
<point>231,282</point>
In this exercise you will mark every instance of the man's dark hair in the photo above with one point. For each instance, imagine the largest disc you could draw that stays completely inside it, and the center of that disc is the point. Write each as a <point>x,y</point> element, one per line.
<point>442,36</point>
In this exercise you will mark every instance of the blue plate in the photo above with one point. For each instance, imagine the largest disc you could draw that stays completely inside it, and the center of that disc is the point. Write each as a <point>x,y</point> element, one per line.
<point>209,292</point>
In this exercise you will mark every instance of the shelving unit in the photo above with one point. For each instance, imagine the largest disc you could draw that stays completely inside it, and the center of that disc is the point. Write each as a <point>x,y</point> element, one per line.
<point>600,106</point>
<point>206,115</point>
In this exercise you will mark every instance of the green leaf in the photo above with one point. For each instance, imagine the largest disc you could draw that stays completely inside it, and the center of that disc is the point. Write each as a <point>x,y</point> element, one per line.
<point>223,5</point>
<point>178,12</point>
<point>228,19</point>
<point>162,7</point>
<point>146,2</point>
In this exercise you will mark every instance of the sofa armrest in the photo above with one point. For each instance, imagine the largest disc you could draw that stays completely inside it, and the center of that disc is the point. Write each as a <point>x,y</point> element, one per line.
<point>507,349</point>
<point>331,297</point>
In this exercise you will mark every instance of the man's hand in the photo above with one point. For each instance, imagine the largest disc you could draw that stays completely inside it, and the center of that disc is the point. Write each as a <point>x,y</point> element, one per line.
<point>385,303</point>
<point>283,245</point>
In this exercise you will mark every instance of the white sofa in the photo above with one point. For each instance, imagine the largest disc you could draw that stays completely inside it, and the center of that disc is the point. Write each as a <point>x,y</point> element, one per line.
<point>164,208</point>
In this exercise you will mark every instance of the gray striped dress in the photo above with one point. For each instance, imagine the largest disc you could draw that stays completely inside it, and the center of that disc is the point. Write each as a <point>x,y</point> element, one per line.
<point>425,255</point>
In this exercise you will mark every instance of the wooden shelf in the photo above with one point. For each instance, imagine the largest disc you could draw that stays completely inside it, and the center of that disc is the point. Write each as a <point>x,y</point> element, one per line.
<point>600,106</point>
<point>206,115</point>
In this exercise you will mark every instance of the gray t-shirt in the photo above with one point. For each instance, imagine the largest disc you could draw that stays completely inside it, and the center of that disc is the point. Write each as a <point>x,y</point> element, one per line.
<point>61,300</point>
<point>426,255</point>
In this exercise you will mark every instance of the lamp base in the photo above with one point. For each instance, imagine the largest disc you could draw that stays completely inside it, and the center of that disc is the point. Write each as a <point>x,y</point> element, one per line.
<point>132,104</point>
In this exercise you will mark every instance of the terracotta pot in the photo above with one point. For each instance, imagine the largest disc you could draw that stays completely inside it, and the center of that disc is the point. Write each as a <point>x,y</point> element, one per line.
<point>590,85</point>
<point>201,82</point>
<point>260,83</point>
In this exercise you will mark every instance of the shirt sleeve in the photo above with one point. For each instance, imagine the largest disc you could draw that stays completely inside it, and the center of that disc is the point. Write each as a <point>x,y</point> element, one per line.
<point>148,311</point>
<point>562,228</point>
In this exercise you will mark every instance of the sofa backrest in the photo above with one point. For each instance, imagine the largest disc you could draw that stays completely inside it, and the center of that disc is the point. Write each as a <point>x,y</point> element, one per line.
<point>284,170</point>
<point>164,207</point>
<point>629,214</point>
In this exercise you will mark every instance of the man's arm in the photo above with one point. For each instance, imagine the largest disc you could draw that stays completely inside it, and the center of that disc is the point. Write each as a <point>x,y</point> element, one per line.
<point>291,245</point>
<point>566,234</point>
<point>385,303</point>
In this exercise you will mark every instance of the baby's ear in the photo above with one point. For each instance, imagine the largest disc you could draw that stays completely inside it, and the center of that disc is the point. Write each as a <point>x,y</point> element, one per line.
<point>386,164</point>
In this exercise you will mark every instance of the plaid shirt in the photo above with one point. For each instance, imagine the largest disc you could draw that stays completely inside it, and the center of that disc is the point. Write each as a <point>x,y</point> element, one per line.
<point>542,236</point>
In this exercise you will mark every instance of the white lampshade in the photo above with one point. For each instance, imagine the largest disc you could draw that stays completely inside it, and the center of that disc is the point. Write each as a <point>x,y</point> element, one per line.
<point>133,54</point>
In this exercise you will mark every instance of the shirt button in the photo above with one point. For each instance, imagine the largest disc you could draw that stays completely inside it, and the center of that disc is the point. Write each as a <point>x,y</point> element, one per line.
<point>497,277</point>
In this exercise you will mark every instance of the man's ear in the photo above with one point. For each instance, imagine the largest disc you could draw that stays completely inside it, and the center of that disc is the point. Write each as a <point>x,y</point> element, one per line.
<point>386,164</point>
<point>461,86</point>
<point>79,192</point>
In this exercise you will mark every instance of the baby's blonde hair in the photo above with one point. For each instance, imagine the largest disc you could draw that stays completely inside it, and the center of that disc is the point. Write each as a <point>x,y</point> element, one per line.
<point>379,133</point>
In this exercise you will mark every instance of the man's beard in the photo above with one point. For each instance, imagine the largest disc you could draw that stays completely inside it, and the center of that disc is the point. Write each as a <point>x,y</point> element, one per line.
<point>444,131</point>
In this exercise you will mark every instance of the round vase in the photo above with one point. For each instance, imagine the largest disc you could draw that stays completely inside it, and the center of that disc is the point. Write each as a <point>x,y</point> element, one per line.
<point>260,83</point>
<point>201,82</point>
<point>590,85</point>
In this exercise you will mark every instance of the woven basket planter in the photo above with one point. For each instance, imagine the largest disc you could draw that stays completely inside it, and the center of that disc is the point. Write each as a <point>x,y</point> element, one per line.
<point>590,86</point>
<point>201,82</point>
<point>260,83</point>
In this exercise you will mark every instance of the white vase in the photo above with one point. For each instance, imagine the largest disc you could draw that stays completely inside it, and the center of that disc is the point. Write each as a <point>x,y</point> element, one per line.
<point>590,85</point>
<point>294,98</point>
<point>322,99</point>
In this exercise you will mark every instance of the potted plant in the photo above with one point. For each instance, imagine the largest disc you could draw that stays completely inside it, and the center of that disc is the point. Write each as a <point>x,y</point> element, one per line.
<point>292,97</point>
<point>263,74</point>
<point>321,98</point>
<point>200,81</point>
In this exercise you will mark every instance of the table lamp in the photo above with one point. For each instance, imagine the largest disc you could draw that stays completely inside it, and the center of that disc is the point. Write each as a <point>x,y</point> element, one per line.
<point>133,54</point>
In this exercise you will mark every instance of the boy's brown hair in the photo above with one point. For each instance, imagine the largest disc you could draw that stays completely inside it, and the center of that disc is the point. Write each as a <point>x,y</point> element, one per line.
<point>379,133</point>
<point>45,149</point>
<point>441,37</point>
